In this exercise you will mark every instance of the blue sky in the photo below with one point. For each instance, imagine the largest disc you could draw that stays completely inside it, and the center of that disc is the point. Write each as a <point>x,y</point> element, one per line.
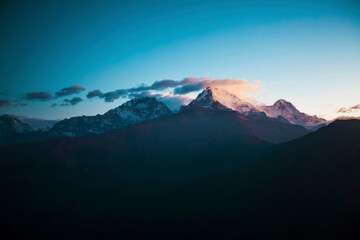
<point>307,52</point>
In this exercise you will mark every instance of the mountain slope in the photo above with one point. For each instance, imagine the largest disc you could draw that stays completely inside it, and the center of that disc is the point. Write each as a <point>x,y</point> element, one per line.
<point>154,180</point>
<point>308,188</point>
<point>10,125</point>
<point>37,123</point>
<point>131,112</point>
<point>12,130</point>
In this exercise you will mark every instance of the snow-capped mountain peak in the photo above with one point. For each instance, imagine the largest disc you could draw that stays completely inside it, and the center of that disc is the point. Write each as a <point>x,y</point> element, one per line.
<point>280,107</point>
<point>285,109</point>
<point>140,109</point>
<point>219,99</point>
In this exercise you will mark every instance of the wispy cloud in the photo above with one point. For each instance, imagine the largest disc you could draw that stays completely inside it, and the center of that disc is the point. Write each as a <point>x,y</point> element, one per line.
<point>47,96</point>
<point>39,96</point>
<point>93,94</point>
<point>131,92</point>
<point>349,109</point>
<point>5,103</point>
<point>356,107</point>
<point>111,96</point>
<point>69,91</point>
<point>72,102</point>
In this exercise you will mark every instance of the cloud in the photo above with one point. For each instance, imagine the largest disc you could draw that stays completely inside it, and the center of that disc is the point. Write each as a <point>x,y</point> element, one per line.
<point>229,83</point>
<point>174,102</point>
<point>344,110</point>
<point>176,88</point>
<point>41,96</point>
<point>72,102</point>
<point>346,118</point>
<point>8,103</point>
<point>95,93</point>
<point>108,96</point>
<point>5,103</point>
<point>350,109</point>
<point>75,89</point>
<point>143,94</point>
<point>163,84</point>
<point>355,108</point>
<point>141,89</point>
<point>167,83</point>
<point>111,96</point>
<point>189,88</point>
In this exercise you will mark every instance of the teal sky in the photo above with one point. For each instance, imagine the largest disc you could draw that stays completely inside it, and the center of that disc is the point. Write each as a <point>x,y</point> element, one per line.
<point>307,52</point>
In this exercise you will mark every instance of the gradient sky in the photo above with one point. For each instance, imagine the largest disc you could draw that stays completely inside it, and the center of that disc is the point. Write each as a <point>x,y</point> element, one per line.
<point>307,52</point>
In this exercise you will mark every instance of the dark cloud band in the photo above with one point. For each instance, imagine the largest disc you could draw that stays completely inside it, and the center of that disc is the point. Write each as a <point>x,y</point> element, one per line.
<point>141,90</point>
<point>40,96</point>
<point>69,91</point>
<point>72,102</point>
<point>95,93</point>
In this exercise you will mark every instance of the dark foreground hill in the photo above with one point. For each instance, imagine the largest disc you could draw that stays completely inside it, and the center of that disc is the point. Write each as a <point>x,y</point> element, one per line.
<point>308,188</point>
<point>195,178</point>
<point>160,151</point>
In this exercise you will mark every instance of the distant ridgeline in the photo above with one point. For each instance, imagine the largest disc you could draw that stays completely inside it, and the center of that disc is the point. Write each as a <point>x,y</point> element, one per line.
<point>210,101</point>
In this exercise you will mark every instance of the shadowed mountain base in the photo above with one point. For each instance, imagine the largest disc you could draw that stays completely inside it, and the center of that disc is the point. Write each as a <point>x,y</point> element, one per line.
<point>242,188</point>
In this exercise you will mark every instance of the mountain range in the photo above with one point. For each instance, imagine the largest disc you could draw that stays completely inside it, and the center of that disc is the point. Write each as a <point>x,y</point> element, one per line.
<point>199,174</point>
<point>143,109</point>
<point>220,168</point>
<point>131,112</point>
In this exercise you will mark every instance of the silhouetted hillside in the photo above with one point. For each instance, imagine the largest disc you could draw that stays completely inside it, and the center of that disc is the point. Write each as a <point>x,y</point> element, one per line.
<point>308,188</point>
<point>218,182</point>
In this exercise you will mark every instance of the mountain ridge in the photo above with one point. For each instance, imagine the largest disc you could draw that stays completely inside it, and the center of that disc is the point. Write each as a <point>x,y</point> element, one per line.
<point>140,109</point>
<point>10,124</point>
<point>131,112</point>
<point>303,189</point>
<point>288,111</point>
<point>216,99</point>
